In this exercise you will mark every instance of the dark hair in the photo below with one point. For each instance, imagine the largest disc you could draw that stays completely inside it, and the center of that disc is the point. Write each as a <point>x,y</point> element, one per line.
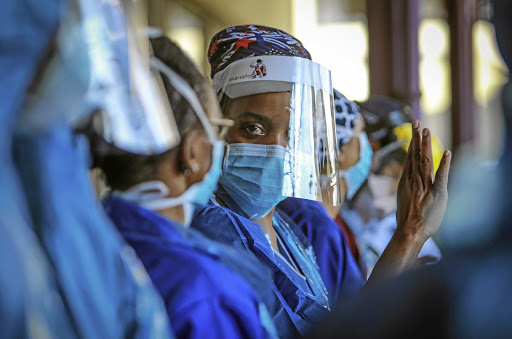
<point>381,114</point>
<point>398,155</point>
<point>171,55</point>
<point>124,170</point>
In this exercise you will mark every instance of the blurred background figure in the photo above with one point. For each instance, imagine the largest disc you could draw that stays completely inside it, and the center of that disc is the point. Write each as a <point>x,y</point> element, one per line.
<point>334,244</point>
<point>355,161</point>
<point>371,214</point>
<point>104,288</point>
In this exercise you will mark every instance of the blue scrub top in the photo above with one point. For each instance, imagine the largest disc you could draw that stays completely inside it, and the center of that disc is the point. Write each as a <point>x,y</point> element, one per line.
<point>295,307</point>
<point>204,299</point>
<point>338,266</point>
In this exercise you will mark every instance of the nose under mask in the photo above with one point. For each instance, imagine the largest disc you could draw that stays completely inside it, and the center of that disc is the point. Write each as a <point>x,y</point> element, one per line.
<point>252,182</point>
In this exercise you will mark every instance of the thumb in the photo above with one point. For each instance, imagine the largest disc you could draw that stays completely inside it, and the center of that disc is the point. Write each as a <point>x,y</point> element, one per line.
<point>441,183</point>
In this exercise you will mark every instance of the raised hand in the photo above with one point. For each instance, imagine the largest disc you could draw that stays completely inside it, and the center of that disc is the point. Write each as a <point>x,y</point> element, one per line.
<point>422,197</point>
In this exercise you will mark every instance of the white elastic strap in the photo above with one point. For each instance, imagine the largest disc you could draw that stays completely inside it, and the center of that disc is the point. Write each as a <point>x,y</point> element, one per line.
<point>188,93</point>
<point>153,195</point>
<point>148,190</point>
<point>150,194</point>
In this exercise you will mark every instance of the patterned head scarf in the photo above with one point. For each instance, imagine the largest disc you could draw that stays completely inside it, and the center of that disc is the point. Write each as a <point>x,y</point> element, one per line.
<point>240,42</point>
<point>346,114</point>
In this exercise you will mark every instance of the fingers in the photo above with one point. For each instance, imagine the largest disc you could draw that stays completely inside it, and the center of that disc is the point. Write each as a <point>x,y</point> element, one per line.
<point>416,151</point>
<point>426,163</point>
<point>406,173</point>
<point>441,183</point>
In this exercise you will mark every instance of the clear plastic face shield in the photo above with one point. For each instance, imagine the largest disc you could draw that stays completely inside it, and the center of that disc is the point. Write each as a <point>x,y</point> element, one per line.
<point>137,117</point>
<point>284,101</point>
<point>101,63</point>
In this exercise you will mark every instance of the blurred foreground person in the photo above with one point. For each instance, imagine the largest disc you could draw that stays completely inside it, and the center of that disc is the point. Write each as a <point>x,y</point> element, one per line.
<point>468,294</point>
<point>30,303</point>
<point>153,199</point>
<point>104,287</point>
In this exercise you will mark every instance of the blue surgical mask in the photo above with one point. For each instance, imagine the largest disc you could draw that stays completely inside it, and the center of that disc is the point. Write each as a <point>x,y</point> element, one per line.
<point>252,182</point>
<point>154,194</point>
<point>356,175</point>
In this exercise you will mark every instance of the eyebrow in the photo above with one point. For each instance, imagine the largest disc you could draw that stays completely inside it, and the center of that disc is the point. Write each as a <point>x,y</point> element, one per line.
<point>253,115</point>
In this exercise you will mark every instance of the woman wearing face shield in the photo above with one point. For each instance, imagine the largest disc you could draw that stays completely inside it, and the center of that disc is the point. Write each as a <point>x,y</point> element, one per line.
<point>277,113</point>
<point>273,153</point>
<point>152,201</point>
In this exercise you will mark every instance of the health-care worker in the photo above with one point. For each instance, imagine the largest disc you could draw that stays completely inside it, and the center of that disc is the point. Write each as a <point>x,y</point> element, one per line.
<point>104,288</point>
<point>280,116</point>
<point>152,201</point>
<point>333,247</point>
<point>278,112</point>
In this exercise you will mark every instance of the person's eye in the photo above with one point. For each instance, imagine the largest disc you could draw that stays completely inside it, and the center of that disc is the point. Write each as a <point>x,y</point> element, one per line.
<point>253,129</point>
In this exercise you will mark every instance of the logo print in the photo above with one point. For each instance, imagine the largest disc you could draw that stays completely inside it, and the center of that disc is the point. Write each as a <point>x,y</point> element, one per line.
<point>260,70</point>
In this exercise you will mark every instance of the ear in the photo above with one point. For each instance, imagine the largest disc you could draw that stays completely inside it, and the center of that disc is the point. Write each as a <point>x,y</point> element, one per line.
<point>194,156</point>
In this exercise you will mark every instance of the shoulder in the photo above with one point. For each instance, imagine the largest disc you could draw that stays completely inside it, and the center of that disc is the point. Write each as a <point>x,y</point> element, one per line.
<point>304,211</point>
<point>185,275</point>
<point>213,213</point>
<point>224,225</point>
<point>311,217</point>
<point>204,298</point>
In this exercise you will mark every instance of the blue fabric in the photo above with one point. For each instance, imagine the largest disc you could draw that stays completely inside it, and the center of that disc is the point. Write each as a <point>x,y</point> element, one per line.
<point>293,310</point>
<point>298,251</point>
<point>204,299</point>
<point>26,27</point>
<point>337,265</point>
<point>105,287</point>
<point>30,303</point>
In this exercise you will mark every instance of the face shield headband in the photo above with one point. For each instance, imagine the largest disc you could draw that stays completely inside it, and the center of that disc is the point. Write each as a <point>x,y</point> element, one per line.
<point>302,119</point>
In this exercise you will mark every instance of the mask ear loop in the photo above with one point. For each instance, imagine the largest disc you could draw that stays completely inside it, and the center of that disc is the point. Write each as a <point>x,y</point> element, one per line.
<point>189,94</point>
